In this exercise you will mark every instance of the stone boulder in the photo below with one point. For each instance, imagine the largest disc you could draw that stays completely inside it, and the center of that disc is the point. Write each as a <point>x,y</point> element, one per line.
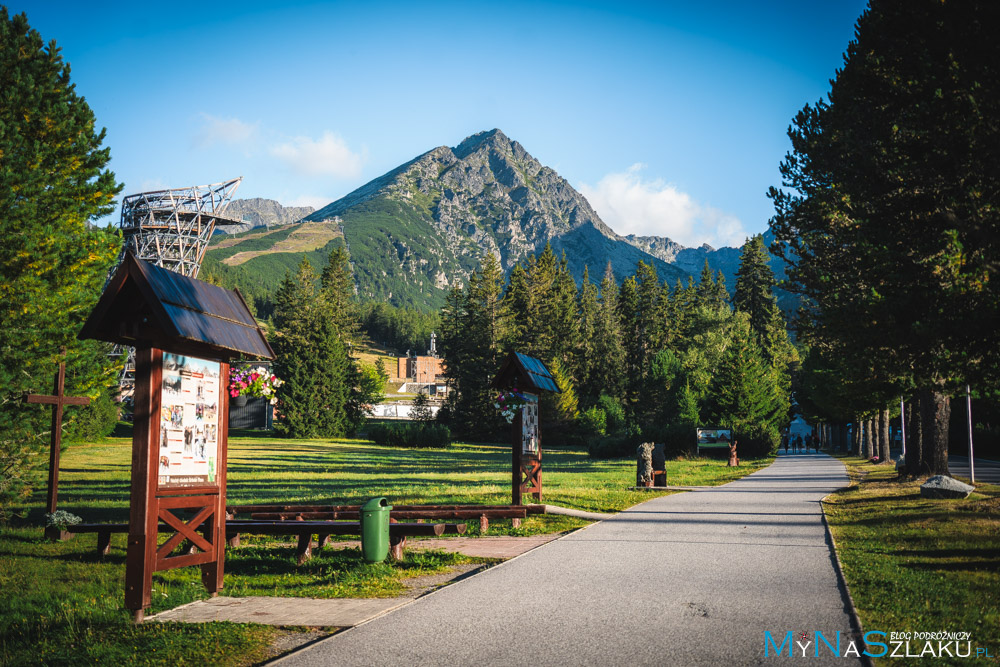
<point>901,464</point>
<point>942,486</point>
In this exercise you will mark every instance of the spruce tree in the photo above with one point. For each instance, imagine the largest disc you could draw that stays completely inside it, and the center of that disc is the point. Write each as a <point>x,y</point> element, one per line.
<point>890,216</point>
<point>744,394</point>
<point>633,342</point>
<point>53,182</point>
<point>338,294</point>
<point>607,366</point>
<point>583,364</point>
<point>311,359</point>
<point>474,335</point>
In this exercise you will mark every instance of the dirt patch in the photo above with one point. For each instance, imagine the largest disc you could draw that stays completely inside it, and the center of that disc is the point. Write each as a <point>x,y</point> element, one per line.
<point>230,242</point>
<point>307,237</point>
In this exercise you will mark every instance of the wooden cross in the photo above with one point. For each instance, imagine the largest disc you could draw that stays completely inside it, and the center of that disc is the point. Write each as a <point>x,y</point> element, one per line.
<point>57,401</point>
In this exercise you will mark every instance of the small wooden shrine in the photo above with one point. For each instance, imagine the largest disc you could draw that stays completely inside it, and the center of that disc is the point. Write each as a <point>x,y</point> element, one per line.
<point>185,332</point>
<point>526,377</point>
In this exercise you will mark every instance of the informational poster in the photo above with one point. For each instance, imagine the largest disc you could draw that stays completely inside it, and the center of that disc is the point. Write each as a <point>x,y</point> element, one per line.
<point>715,437</point>
<point>529,425</point>
<point>189,421</point>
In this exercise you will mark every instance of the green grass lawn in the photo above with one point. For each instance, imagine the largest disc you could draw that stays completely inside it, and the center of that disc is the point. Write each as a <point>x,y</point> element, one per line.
<point>919,565</point>
<point>62,604</point>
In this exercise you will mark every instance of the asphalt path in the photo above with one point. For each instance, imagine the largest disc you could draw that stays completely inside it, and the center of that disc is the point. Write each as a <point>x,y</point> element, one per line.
<point>986,471</point>
<point>694,578</point>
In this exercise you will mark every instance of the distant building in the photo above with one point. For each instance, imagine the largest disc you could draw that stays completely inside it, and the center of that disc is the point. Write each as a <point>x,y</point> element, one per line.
<point>428,369</point>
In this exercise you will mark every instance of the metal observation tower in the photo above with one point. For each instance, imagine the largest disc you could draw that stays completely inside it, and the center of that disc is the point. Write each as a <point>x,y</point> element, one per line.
<point>172,229</point>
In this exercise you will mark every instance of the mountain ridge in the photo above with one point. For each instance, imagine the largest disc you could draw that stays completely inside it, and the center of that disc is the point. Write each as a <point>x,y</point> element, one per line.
<point>421,228</point>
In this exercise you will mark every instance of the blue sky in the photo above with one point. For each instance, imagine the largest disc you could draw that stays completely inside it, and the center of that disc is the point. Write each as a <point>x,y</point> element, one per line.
<point>670,117</point>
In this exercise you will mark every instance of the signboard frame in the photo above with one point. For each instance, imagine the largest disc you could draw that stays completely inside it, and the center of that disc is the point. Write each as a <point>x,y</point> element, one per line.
<point>201,521</point>
<point>527,452</point>
<point>713,437</point>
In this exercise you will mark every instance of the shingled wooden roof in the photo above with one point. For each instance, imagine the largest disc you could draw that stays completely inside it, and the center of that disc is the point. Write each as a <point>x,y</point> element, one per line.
<point>145,304</point>
<point>526,373</point>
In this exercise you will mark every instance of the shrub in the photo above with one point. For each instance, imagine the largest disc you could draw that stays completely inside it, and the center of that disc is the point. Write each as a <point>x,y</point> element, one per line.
<point>615,446</point>
<point>758,441</point>
<point>594,421</point>
<point>94,421</point>
<point>613,411</point>
<point>410,435</point>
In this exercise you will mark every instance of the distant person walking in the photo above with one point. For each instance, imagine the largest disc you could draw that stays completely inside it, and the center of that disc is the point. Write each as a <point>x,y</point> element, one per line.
<point>784,441</point>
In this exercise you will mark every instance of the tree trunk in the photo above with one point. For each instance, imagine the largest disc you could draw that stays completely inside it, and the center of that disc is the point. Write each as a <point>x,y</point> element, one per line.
<point>843,444</point>
<point>884,455</point>
<point>869,440</point>
<point>935,412</point>
<point>914,439</point>
<point>858,444</point>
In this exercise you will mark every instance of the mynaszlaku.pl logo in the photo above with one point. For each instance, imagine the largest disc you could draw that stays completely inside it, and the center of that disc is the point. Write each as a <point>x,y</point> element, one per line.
<point>876,644</point>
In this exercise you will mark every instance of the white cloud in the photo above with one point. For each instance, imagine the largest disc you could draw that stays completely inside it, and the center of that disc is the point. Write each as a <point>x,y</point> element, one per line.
<point>329,155</point>
<point>227,131</point>
<point>630,205</point>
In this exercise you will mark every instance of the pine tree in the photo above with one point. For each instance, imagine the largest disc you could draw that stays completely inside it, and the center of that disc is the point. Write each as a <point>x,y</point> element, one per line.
<point>607,365</point>
<point>587,309</point>
<point>890,210</point>
<point>633,342</point>
<point>53,182</point>
<point>338,294</point>
<point>744,394</point>
<point>311,359</point>
<point>687,407</point>
<point>420,411</point>
<point>474,333</point>
<point>754,294</point>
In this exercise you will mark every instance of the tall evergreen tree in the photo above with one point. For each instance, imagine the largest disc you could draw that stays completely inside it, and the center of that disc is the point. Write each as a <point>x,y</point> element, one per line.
<point>754,291</point>
<point>53,181</point>
<point>474,332</point>
<point>892,227</point>
<point>338,294</point>
<point>311,359</point>
<point>633,342</point>
<point>744,394</point>
<point>608,361</point>
<point>587,309</point>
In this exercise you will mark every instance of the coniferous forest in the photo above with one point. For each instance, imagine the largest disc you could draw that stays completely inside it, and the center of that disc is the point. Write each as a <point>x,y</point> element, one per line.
<point>640,360</point>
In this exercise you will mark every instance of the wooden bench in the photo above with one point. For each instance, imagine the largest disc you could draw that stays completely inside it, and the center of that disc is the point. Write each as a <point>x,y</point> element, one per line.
<point>398,532</point>
<point>399,512</point>
<point>103,530</point>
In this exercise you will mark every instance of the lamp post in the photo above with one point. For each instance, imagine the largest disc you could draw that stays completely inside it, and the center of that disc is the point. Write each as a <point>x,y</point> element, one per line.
<point>968,412</point>
<point>902,422</point>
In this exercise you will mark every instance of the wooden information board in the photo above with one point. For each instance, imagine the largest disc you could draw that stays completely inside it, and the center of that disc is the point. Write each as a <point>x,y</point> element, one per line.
<point>178,499</point>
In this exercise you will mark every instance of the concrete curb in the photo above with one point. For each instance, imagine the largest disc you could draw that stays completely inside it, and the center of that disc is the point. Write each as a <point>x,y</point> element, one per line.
<point>845,590</point>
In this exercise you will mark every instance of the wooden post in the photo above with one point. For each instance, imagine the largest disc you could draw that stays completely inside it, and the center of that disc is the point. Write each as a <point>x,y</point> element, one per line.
<point>212,571</point>
<point>57,400</point>
<point>140,553</point>
<point>516,460</point>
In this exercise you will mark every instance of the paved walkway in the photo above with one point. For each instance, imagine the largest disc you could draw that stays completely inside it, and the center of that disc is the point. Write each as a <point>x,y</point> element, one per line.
<point>987,471</point>
<point>688,579</point>
<point>346,613</point>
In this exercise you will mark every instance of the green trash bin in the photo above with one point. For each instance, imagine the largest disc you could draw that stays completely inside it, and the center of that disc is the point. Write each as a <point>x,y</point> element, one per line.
<point>375,530</point>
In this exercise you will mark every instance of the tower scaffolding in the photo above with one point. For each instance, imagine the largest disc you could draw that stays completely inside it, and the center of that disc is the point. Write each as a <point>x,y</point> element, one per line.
<point>170,228</point>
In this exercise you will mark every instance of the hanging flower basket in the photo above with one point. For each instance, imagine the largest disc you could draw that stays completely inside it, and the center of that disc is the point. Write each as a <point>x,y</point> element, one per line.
<point>247,383</point>
<point>508,403</point>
